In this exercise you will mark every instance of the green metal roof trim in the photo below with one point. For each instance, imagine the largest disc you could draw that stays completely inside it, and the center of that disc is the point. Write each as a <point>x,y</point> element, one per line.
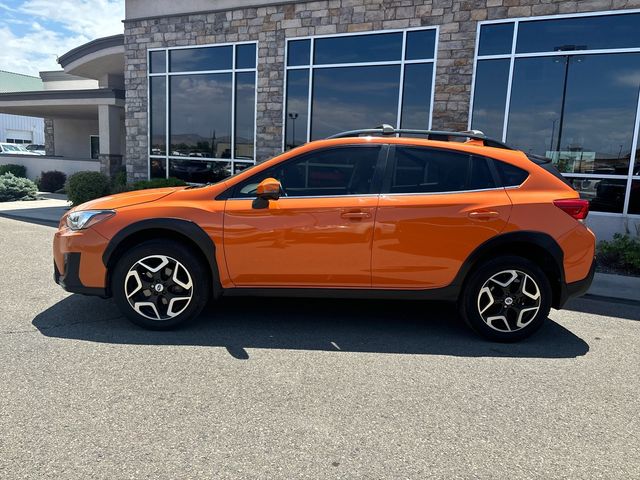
<point>17,82</point>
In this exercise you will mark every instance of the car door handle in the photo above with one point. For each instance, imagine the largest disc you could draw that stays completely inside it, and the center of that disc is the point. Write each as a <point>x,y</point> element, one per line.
<point>355,214</point>
<point>484,214</point>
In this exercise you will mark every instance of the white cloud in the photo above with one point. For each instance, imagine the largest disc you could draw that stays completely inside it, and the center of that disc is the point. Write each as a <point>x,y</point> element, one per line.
<point>38,31</point>
<point>90,18</point>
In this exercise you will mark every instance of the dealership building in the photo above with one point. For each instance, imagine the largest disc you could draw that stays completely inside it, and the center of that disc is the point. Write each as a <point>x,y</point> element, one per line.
<point>212,86</point>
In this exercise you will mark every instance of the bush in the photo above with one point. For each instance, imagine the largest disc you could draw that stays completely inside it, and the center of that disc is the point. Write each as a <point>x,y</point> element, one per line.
<point>16,188</point>
<point>158,183</point>
<point>622,254</point>
<point>51,181</point>
<point>84,186</point>
<point>119,182</point>
<point>17,170</point>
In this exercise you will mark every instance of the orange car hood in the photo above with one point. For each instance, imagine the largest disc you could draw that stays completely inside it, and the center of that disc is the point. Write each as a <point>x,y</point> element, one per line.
<point>127,199</point>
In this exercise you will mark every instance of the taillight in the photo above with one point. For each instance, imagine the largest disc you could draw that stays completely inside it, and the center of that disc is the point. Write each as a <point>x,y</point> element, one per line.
<point>576,207</point>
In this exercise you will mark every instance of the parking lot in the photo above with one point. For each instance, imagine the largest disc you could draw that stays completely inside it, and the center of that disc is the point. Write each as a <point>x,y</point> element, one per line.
<point>276,388</point>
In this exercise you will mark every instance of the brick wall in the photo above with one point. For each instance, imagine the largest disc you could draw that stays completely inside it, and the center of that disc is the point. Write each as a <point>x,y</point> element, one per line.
<point>272,24</point>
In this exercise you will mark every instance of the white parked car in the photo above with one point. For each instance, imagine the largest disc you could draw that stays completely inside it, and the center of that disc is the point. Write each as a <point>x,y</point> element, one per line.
<point>35,149</point>
<point>13,149</point>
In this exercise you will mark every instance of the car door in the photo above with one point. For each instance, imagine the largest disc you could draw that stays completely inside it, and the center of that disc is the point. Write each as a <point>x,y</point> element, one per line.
<point>318,233</point>
<point>436,207</point>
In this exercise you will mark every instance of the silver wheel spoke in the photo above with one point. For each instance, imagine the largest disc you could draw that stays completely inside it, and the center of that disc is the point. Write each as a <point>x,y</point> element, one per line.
<point>158,287</point>
<point>509,300</point>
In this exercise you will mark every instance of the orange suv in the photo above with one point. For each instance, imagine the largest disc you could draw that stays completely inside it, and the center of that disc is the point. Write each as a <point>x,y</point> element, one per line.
<point>378,213</point>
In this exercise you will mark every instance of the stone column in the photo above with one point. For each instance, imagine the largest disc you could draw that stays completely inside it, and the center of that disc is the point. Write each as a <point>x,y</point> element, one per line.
<point>49,144</point>
<point>109,123</point>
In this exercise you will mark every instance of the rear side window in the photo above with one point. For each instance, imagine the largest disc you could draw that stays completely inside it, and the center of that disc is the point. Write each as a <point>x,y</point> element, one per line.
<point>331,172</point>
<point>421,170</point>
<point>510,176</point>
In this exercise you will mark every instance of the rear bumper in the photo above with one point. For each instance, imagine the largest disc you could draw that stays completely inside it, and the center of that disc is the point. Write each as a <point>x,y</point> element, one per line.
<point>70,281</point>
<point>576,289</point>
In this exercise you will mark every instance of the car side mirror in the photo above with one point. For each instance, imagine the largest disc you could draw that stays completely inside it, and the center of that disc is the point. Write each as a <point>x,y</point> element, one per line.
<point>269,189</point>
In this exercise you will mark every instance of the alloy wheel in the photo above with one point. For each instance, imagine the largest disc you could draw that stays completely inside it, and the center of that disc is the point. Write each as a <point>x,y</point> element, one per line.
<point>509,301</point>
<point>158,287</point>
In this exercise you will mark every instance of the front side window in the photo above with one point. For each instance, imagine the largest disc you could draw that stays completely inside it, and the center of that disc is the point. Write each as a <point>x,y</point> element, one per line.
<point>331,172</point>
<point>347,82</point>
<point>422,170</point>
<point>566,88</point>
<point>202,111</point>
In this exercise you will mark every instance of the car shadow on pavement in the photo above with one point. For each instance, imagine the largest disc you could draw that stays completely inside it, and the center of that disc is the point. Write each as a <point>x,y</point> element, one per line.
<point>238,324</point>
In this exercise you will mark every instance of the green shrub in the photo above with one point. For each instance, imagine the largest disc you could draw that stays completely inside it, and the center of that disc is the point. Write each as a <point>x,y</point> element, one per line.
<point>621,254</point>
<point>17,170</point>
<point>16,188</point>
<point>51,181</point>
<point>158,183</point>
<point>84,186</point>
<point>119,182</point>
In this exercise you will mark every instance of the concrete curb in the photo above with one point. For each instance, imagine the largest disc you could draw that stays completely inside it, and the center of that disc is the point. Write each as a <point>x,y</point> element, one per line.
<point>615,287</point>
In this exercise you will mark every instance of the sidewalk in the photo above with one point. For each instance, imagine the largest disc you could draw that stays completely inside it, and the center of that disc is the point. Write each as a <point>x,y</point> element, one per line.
<point>47,210</point>
<point>615,287</point>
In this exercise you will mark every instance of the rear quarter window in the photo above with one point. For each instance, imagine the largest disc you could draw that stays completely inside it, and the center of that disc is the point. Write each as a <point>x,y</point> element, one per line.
<point>510,176</point>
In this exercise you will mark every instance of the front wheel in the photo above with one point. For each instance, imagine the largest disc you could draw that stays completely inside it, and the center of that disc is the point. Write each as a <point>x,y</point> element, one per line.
<point>160,284</point>
<point>506,299</point>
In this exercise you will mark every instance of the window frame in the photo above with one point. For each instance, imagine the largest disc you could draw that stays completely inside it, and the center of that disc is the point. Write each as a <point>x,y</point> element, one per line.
<point>376,181</point>
<point>311,66</point>
<point>512,56</point>
<point>167,74</point>
<point>392,161</point>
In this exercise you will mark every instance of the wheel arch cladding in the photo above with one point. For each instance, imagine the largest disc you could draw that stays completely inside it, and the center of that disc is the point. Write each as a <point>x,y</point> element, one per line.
<point>183,231</point>
<point>538,247</point>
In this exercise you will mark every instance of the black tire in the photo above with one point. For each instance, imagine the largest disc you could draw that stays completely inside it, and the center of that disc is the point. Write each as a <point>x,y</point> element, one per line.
<point>173,281</point>
<point>511,315</point>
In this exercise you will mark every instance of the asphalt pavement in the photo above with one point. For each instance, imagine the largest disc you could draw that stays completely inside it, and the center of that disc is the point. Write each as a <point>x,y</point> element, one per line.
<point>273,388</point>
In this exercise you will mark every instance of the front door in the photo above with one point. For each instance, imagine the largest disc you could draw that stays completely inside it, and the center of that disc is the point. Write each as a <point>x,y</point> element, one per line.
<point>318,234</point>
<point>437,206</point>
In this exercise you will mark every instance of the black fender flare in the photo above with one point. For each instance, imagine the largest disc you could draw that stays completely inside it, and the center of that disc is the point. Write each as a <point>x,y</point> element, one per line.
<point>185,228</point>
<point>507,240</point>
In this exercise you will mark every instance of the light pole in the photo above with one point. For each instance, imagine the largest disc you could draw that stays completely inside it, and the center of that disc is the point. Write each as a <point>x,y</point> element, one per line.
<point>293,116</point>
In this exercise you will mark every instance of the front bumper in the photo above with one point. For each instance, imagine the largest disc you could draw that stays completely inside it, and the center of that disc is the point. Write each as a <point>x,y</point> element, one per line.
<point>576,289</point>
<point>70,281</point>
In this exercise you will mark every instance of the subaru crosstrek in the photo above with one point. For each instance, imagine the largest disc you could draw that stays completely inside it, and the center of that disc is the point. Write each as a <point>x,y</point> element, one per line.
<point>374,213</point>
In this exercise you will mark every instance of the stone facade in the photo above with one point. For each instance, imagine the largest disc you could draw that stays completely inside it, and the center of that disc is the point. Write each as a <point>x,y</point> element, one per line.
<point>49,144</point>
<point>271,25</point>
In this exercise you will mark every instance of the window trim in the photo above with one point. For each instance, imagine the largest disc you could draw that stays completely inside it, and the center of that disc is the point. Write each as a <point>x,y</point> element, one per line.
<point>512,58</point>
<point>392,161</point>
<point>402,62</point>
<point>167,74</point>
<point>376,181</point>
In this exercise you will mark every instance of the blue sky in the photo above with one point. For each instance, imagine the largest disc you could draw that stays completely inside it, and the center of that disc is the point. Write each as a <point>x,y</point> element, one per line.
<point>33,33</point>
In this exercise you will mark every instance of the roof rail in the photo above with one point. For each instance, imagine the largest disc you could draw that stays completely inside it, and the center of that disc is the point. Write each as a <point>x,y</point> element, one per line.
<point>444,136</point>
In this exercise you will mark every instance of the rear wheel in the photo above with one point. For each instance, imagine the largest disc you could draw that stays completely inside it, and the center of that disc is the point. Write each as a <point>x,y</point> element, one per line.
<point>506,299</point>
<point>160,285</point>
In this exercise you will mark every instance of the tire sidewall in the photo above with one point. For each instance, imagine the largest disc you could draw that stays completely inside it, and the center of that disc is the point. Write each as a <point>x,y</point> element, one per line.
<point>199,277</point>
<point>469,308</point>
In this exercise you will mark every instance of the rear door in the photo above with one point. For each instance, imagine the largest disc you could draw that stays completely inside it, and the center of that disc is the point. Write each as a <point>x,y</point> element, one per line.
<point>319,233</point>
<point>436,207</point>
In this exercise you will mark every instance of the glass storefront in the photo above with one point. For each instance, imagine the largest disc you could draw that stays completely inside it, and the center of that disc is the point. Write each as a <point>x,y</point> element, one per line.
<point>566,88</point>
<point>202,104</point>
<point>346,82</point>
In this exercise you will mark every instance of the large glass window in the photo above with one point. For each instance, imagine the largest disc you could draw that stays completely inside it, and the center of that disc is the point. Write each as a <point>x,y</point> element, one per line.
<point>492,77</point>
<point>348,82</point>
<point>202,111</point>
<point>331,172</point>
<point>569,93</point>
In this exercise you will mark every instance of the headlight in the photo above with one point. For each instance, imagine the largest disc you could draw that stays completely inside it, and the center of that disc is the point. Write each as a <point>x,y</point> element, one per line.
<point>86,218</point>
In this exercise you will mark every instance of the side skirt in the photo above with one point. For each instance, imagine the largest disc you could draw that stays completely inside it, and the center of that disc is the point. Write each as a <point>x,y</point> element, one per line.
<point>449,293</point>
